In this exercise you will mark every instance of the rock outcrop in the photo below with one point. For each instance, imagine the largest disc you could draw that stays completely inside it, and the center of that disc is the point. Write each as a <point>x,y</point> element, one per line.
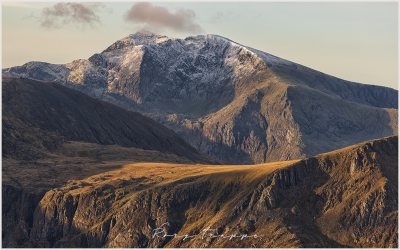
<point>346,198</point>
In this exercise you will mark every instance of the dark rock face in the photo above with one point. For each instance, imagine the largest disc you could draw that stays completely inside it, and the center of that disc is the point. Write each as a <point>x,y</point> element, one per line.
<point>17,214</point>
<point>345,198</point>
<point>40,115</point>
<point>229,101</point>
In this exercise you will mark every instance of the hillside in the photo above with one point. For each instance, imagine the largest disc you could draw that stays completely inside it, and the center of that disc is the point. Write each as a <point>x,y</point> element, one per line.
<point>345,198</point>
<point>229,101</point>
<point>39,116</point>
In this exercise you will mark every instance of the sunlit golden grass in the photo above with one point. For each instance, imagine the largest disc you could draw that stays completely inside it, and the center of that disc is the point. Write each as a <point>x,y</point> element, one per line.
<point>172,172</point>
<point>246,176</point>
<point>147,177</point>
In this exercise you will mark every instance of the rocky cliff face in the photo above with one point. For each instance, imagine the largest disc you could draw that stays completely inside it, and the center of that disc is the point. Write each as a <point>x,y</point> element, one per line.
<point>18,206</point>
<point>347,198</point>
<point>228,100</point>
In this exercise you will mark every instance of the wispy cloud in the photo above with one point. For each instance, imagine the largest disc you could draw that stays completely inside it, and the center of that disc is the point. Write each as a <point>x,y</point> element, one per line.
<point>220,16</point>
<point>216,18</point>
<point>78,14</point>
<point>157,18</point>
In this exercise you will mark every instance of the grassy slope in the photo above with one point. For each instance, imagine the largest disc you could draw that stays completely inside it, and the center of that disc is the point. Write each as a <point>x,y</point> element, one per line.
<point>77,160</point>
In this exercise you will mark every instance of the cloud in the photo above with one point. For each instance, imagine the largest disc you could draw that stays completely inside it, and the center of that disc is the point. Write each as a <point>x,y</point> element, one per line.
<point>157,18</point>
<point>220,17</point>
<point>64,14</point>
<point>216,18</point>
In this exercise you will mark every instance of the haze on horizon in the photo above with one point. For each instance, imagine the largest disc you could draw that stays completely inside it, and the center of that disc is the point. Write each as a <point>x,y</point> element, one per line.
<point>353,41</point>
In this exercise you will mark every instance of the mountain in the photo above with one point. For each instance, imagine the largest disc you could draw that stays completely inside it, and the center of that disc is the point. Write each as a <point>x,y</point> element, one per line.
<point>345,198</point>
<point>229,101</point>
<point>38,116</point>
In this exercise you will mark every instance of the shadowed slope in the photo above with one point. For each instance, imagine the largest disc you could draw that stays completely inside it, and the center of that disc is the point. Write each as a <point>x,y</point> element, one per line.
<point>326,122</point>
<point>41,115</point>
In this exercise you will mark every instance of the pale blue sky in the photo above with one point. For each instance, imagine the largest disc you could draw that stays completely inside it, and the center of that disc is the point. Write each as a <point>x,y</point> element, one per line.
<point>355,41</point>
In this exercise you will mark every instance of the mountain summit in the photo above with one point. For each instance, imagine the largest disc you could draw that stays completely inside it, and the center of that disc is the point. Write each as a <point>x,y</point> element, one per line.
<point>227,100</point>
<point>144,38</point>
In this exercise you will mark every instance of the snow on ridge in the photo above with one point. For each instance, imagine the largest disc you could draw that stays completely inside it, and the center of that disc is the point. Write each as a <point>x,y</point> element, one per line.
<point>147,38</point>
<point>84,68</point>
<point>57,70</point>
<point>201,60</point>
<point>270,60</point>
<point>53,72</point>
<point>15,74</point>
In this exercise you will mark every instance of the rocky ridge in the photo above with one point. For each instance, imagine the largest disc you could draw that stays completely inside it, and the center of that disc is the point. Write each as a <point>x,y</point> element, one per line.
<point>227,100</point>
<point>346,198</point>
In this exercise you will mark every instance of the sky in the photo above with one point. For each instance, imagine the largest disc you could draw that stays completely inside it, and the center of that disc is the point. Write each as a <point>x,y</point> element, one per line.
<point>355,41</point>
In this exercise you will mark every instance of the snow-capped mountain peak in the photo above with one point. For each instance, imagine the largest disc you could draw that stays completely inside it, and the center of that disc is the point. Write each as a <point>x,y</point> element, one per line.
<point>222,89</point>
<point>147,38</point>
